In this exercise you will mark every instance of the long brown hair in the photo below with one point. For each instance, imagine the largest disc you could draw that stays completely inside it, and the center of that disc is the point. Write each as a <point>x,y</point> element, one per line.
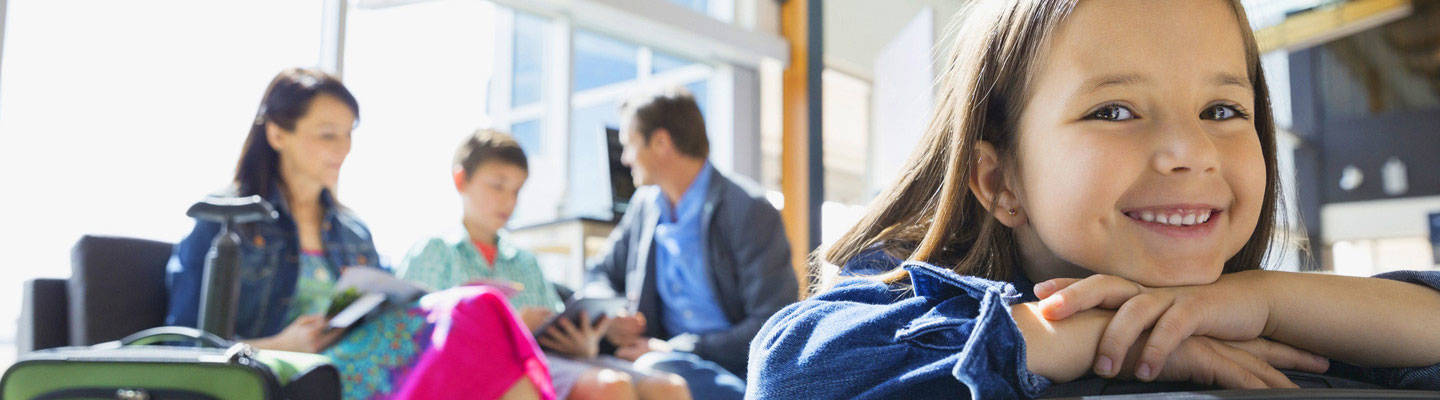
<point>286,100</point>
<point>930,215</point>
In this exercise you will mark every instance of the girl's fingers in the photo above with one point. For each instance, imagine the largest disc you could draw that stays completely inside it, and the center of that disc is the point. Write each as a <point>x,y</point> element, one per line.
<point>1271,377</point>
<point>1047,288</point>
<point>1105,291</point>
<point>1201,361</point>
<point>1124,330</point>
<point>1176,325</point>
<point>1283,356</point>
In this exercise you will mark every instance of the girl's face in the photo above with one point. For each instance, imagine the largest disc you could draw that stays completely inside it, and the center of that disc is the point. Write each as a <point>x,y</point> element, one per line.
<point>491,193</point>
<point>1138,156</point>
<point>314,151</point>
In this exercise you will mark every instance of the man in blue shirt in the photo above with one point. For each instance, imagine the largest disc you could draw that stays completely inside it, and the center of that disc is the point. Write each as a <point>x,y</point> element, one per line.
<point>702,255</point>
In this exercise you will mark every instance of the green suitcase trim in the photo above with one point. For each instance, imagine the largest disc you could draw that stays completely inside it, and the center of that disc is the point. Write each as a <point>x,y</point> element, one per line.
<point>31,379</point>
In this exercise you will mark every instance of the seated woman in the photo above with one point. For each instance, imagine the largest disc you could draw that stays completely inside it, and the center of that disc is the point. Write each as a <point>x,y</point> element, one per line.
<point>292,158</point>
<point>489,169</point>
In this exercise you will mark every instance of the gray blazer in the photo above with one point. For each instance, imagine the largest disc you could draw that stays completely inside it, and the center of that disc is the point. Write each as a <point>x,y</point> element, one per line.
<point>747,253</point>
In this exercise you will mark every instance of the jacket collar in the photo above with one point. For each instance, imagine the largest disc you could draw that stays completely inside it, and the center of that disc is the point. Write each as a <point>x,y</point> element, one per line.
<point>278,201</point>
<point>942,283</point>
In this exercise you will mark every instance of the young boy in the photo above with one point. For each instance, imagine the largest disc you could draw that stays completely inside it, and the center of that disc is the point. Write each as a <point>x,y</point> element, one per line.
<point>489,169</point>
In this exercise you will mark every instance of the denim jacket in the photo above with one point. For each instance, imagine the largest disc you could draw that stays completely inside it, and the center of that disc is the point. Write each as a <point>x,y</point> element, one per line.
<point>944,336</point>
<point>269,265</point>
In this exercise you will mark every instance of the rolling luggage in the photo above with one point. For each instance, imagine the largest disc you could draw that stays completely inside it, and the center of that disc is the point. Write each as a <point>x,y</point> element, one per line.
<point>136,368</point>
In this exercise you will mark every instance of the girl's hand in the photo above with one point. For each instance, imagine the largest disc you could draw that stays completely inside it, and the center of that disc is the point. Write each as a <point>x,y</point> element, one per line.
<point>580,342</point>
<point>1233,308</point>
<point>1252,364</point>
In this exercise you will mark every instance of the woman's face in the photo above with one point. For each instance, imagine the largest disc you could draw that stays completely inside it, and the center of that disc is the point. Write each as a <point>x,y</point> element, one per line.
<point>315,149</point>
<point>1138,157</point>
<point>491,193</point>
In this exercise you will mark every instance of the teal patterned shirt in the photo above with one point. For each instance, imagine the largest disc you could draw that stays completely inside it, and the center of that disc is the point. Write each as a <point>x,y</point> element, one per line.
<point>452,260</point>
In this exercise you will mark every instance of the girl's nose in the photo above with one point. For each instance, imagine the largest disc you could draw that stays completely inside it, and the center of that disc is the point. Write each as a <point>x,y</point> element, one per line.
<point>1185,146</point>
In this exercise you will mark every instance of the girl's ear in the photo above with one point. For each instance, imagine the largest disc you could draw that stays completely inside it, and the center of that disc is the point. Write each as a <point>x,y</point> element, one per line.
<point>987,182</point>
<point>459,175</point>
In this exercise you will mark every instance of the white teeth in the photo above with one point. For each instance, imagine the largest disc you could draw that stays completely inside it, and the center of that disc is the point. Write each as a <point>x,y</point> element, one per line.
<point>1173,219</point>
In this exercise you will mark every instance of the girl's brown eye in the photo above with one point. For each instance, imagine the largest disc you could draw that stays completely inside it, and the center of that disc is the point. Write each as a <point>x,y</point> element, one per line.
<point>1222,112</point>
<point>1111,112</point>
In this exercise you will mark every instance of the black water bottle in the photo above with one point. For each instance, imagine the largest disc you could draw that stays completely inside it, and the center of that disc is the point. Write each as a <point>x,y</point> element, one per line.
<point>220,287</point>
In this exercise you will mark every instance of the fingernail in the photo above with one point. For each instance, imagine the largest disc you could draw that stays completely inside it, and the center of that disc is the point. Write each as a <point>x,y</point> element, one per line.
<point>1051,302</point>
<point>1103,365</point>
<point>1143,372</point>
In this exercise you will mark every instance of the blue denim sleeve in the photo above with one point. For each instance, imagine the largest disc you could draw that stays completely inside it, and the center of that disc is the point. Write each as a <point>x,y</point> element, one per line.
<point>1422,378</point>
<point>184,273</point>
<point>866,340</point>
<point>372,254</point>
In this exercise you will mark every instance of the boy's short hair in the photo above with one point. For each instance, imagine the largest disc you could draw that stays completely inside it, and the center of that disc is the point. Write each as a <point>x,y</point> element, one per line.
<point>674,109</point>
<point>489,145</point>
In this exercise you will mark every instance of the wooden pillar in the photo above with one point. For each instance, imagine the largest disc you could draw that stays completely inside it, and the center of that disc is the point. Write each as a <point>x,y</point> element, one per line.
<point>801,166</point>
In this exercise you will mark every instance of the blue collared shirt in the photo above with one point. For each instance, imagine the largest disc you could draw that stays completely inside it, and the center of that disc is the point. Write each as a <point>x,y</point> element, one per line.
<point>682,276</point>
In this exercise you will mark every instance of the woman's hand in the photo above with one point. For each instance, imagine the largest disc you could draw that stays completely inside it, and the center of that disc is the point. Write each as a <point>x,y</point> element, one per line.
<point>580,342</point>
<point>1233,308</point>
<point>308,334</point>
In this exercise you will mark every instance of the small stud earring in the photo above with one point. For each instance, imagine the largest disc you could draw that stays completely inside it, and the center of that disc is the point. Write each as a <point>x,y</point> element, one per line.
<point>1012,211</point>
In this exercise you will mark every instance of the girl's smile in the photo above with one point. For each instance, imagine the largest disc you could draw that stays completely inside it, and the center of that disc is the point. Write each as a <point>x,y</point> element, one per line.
<point>1179,221</point>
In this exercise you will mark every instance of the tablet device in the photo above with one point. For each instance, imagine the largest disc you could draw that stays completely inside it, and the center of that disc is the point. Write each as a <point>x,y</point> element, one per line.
<point>594,307</point>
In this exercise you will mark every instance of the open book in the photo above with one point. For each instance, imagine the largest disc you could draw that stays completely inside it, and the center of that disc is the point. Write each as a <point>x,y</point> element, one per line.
<point>362,291</point>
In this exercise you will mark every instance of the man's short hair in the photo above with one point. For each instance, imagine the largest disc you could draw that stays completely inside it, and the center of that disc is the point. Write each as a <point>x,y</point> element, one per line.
<point>673,109</point>
<point>488,145</point>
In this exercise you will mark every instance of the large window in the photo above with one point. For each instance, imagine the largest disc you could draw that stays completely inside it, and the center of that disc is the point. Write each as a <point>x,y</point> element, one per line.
<point>118,117</point>
<point>606,70</point>
<point>421,73</point>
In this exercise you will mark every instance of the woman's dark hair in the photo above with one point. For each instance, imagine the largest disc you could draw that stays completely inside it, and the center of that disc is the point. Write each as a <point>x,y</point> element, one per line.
<point>286,100</point>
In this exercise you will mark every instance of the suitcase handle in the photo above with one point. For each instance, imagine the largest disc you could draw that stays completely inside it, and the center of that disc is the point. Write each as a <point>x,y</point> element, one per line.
<point>175,334</point>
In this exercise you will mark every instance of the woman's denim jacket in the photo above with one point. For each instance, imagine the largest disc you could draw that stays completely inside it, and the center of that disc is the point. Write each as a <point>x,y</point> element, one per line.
<point>269,264</point>
<point>944,336</point>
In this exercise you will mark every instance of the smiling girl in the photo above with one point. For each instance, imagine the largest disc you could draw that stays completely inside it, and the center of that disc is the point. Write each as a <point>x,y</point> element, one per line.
<point>1128,143</point>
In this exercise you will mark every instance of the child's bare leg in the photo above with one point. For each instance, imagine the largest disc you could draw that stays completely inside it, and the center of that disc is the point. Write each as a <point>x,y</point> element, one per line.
<point>603,383</point>
<point>663,387</point>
